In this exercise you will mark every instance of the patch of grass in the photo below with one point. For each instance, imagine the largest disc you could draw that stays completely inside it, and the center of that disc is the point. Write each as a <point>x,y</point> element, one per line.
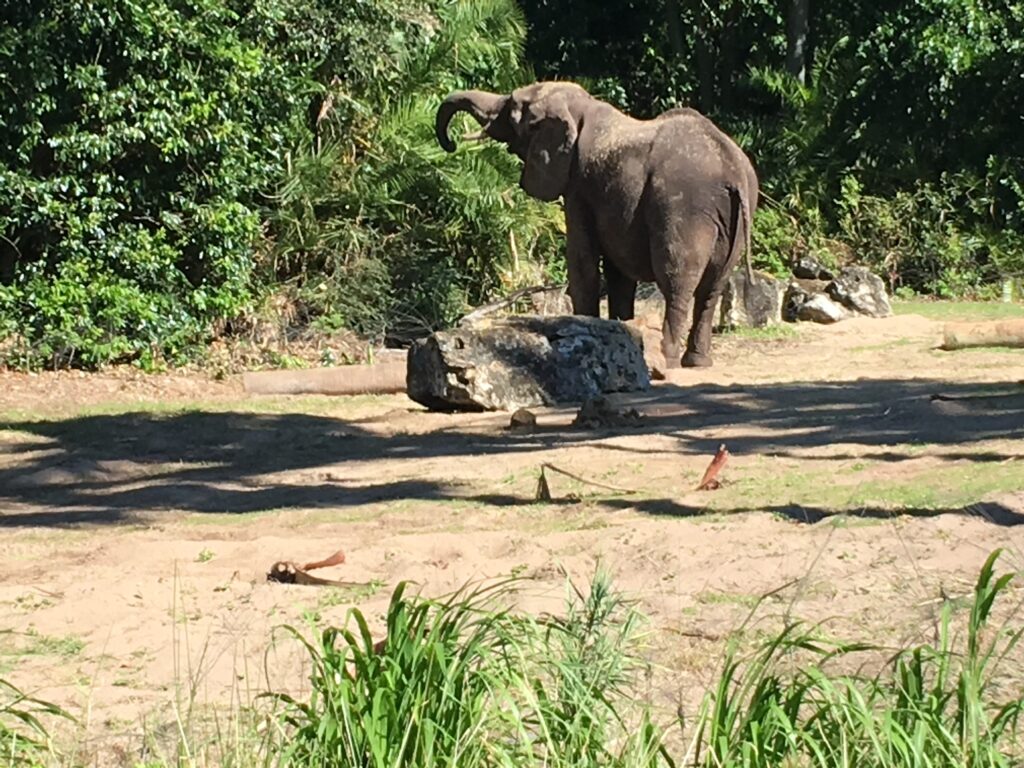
<point>957,310</point>
<point>944,485</point>
<point>942,704</point>
<point>38,644</point>
<point>727,598</point>
<point>205,556</point>
<point>305,404</point>
<point>779,332</point>
<point>466,682</point>
<point>24,731</point>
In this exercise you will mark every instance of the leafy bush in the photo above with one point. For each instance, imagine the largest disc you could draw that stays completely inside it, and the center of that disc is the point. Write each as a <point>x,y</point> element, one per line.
<point>149,148</point>
<point>135,140</point>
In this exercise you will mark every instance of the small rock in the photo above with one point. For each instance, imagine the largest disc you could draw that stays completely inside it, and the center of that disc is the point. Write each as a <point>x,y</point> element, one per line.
<point>554,301</point>
<point>819,308</point>
<point>752,305</point>
<point>857,288</point>
<point>597,413</point>
<point>808,268</point>
<point>523,420</point>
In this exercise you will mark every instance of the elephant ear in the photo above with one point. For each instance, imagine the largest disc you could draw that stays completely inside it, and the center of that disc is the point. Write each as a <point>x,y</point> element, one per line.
<point>549,156</point>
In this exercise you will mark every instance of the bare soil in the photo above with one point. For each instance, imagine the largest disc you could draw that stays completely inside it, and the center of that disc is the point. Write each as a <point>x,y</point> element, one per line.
<point>140,513</point>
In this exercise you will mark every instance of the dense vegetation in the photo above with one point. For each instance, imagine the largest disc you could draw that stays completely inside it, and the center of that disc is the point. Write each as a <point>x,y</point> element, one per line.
<point>170,165</point>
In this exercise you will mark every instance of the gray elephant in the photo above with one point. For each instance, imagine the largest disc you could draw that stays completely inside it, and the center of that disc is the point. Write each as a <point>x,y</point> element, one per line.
<point>668,200</point>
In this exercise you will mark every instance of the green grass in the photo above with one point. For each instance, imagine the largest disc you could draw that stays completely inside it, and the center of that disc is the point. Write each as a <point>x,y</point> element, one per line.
<point>38,644</point>
<point>780,332</point>
<point>941,705</point>
<point>829,485</point>
<point>25,728</point>
<point>467,682</point>
<point>957,310</point>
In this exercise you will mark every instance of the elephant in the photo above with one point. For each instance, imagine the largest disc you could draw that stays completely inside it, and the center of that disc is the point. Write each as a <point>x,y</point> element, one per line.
<point>668,200</point>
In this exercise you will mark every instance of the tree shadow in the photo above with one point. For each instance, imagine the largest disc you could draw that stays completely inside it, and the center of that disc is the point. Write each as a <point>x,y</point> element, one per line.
<point>108,468</point>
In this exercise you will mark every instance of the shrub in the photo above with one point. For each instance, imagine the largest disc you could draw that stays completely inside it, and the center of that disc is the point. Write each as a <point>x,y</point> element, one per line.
<point>135,140</point>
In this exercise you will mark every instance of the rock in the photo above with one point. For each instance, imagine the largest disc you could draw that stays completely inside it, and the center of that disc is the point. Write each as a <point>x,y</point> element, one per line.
<point>819,308</point>
<point>597,413</point>
<point>808,268</point>
<point>553,301</point>
<point>525,360</point>
<point>753,305</point>
<point>797,293</point>
<point>523,421</point>
<point>857,288</point>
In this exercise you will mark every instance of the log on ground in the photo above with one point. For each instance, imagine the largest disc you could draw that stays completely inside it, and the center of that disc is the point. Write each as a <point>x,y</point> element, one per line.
<point>993,333</point>
<point>374,379</point>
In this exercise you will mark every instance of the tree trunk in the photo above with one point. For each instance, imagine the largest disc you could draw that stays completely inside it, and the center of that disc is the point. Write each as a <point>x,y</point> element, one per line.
<point>728,56</point>
<point>798,13</point>
<point>705,62</point>
<point>675,29</point>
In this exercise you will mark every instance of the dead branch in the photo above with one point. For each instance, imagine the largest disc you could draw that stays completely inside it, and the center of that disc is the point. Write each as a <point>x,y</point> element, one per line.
<point>708,482</point>
<point>579,479</point>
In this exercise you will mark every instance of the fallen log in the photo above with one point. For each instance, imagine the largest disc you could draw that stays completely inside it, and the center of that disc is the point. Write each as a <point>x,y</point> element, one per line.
<point>374,379</point>
<point>994,333</point>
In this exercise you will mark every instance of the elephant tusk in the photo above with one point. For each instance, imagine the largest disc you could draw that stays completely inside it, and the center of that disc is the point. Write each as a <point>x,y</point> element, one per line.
<point>475,136</point>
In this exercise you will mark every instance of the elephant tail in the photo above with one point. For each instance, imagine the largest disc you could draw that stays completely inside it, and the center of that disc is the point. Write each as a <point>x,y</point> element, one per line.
<point>740,237</point>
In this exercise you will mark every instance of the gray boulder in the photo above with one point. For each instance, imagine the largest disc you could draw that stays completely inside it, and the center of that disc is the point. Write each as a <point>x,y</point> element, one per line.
<point>807,268</point>
<point>526,360</point>
<point>858,289</point>
<point>819,308</point>
<point>754,305</point>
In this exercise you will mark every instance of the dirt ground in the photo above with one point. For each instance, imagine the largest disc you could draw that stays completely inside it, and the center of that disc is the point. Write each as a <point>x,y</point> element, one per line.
<point>139,513</point>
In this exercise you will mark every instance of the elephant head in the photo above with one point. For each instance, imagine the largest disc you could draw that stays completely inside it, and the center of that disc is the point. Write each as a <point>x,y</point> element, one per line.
<point>539,123</point>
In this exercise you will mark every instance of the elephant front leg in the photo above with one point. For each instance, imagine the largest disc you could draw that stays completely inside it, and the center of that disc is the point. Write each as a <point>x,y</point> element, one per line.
<point>583,260</point>
<point>621,292</point>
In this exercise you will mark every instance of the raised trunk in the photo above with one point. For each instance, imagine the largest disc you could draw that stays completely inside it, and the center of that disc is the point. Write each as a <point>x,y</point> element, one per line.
<point>482,105</point>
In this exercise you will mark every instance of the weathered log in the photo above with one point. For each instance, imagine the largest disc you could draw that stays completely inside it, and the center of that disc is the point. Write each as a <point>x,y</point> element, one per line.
<point>993,333</point>
<point>378,378</point>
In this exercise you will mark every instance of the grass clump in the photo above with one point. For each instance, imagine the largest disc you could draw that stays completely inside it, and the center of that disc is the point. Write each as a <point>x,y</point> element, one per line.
<point>24,737</point>
<point>938,705</point>
<point>465,682</point>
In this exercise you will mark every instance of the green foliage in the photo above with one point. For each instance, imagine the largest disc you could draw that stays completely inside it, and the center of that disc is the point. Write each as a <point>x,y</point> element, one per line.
<point>381,230</point>
<point>465,682</point>
<point>150,149</point>
<point>24,737</point>
<point>936,705</point>
<point>135,139</point>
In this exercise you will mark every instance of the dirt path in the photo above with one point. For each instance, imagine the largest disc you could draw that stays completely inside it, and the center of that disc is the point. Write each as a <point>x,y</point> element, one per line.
<point>139,514</point>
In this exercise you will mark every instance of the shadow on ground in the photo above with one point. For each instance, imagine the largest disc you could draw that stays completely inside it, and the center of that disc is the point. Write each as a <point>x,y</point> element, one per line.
<point>106,468</point>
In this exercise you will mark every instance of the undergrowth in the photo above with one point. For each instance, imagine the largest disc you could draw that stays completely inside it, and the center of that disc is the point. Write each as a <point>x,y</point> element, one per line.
<point>469,681</point>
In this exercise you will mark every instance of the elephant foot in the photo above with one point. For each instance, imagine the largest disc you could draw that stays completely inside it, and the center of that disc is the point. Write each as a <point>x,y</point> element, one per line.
<point>696,360</point>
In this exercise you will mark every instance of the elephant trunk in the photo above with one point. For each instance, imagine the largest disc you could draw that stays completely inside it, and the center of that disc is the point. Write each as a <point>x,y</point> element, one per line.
<point>483,106</point>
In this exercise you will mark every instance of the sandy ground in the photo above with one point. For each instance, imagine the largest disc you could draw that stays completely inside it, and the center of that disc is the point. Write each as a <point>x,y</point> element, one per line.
<point>139,514</point>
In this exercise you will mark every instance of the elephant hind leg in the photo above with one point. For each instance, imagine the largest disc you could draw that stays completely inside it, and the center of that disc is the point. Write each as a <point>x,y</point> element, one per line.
<point>680,263</point>
<point>705,306</point>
